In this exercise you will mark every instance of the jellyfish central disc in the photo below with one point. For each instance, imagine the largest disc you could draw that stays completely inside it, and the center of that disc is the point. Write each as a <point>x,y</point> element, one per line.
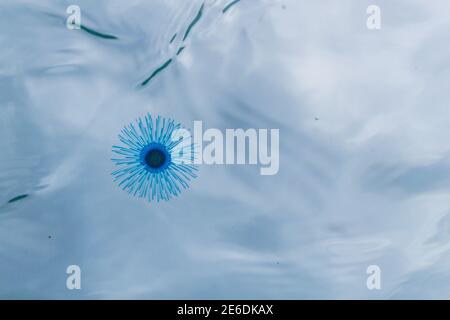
<point>155,158</point>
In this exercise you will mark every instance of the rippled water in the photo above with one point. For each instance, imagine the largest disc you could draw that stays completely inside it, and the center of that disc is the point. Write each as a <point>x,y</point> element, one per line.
<point>364,154</point>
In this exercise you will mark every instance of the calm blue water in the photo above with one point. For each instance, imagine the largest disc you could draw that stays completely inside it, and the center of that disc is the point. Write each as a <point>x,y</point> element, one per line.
<point>364,154</point>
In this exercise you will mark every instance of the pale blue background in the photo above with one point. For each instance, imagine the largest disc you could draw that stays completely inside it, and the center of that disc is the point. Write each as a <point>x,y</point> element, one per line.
<point>364,128</point>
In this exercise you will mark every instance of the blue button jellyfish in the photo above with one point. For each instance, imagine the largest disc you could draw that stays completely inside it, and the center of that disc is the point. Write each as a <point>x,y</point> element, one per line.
<point>156,160</point>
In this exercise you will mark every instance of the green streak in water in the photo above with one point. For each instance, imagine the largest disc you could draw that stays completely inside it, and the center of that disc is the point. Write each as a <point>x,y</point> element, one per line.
<point>173,38</point>
<point>194,22</point>
<point>180,50</point>
<point>22,196</point>
<point>97,34</point>
<point>228,6</point>
<point>158,70</point>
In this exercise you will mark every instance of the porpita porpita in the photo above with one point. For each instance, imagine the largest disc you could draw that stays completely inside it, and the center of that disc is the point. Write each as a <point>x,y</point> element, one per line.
<point>156,159</point>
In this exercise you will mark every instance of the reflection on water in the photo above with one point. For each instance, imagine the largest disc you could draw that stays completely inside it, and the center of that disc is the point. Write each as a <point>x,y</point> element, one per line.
<point>364,156</point>
<point>17,198</point>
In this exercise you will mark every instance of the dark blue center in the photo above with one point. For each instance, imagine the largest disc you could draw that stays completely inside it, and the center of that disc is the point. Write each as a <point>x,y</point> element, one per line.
<point>155,158</point>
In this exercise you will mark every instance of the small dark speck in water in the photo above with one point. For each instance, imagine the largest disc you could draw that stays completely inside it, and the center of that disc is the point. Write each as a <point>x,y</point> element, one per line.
<point>20,197</point>
<point>316,118</point>
<point>283,7</point>
<point>49,237</point>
